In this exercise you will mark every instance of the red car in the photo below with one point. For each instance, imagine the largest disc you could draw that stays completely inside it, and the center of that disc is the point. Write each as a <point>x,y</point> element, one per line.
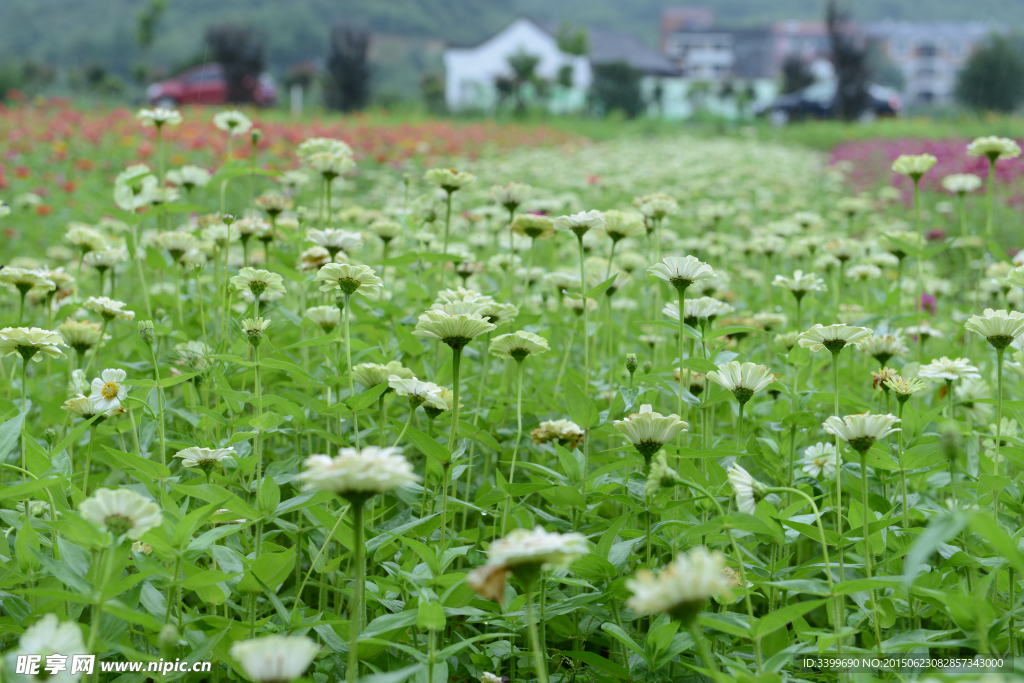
<point>205,85</point>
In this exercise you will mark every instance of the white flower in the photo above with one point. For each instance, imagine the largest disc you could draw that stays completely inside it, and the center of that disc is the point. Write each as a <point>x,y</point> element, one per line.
<point>742,380</point>
<point>649,431</point>
<point>327,317</point>
<point>121,512</point>
<point>158,117</point>
<point>275,659</point>
<point>350,279</point>
<point>512,195</point>
<point>701,310</point>
<point>820,461</point>
<point>30,343</point>
<point>883,347</point>
<point>108,390</point>
<point>682,588</point>
<point>108,308</point>
<point>518,345</point>
<point>946,369</point>
<point>416,390</point>
<point>565,433</point>
<point>961,183</point>
<point>312,146</point>
<point>800,284</point>
<point>454,330</point>
<point>833,337</point>
<point>449,179</point>
<point>372,374</point>
<point>331,165</point>
<point>51,636</point>
<point>369,471</point>
<point>994,148</point>
<point>487,677</point>
<point>682,271</point>
<point>914,165</point>
<point>258,281</point>
<point>860,431</point>
<point>204,458</point>
<point>748,490</point>
<point>1000,327</point>
<point>580,223</point>
<point>537,547</point>
<point>234,122</point>
<point>189,177</point>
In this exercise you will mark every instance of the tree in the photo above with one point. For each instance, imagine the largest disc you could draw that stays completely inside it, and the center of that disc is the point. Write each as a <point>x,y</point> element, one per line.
<point>240,52</point>
<point>432,90</point>
<point>883,70</point>
<point>795,74</point>
<point>523,66</point>
<point>850,59</point>
<point>616,87</point>
<point>146,22</point>
<point>347,87</point>
<point>993,78</point>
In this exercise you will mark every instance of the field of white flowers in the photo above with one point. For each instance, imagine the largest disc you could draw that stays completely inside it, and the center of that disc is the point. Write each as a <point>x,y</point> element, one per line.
<point>643,410</point>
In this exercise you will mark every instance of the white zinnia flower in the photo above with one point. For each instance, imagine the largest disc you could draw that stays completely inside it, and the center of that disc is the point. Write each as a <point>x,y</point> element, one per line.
<point>748,490</point>
<point>350,279</point>
<point>518,345</point>
<point>994,148</point>
<point>416,390</point>
<point>205,459</point>
<point>580,223</point>
<point>108,308</point>
<point>682,588</point>
<point>50,636</point>
<point>355,472</point>
<point>449,179</point>
<point>275,659</point>
<point>1000,328</point>
<point>158,117</point>
<point>961,183</point>
<point>234,122</point>
<point>820,461</point>
<point>372,374</point>
<point>258,281</point>
<point>31,343</point>
<point>537,547</point>
<point>682,271</point>
<point>454,330</point>
<point>189,177</point>
<point>122,512</point>
<point>861,431</point>
<point>742,380</point>
<point>833,337</point>
<point>649,431</point>
<point>946,369</point>
<point>914,165</point>
<point>327,317</point>
<point>108,390</point>
<point>800,284</point>
<point>883,347</point>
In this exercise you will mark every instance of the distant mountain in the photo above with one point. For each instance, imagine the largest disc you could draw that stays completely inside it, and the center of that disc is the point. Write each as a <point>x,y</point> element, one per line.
<point>80,32</point>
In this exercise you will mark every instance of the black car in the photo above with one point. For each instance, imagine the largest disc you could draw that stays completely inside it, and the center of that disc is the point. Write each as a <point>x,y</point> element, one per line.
<point>817,101</point>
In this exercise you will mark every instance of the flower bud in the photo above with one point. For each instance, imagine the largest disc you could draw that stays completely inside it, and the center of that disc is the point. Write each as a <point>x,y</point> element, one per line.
<point>631,363</point>
<point>228,219</point>
<point>146,331</point>
<point>50,435</point>
<point>950,441</point>
<point>255,136</point>
<point>647,366</point>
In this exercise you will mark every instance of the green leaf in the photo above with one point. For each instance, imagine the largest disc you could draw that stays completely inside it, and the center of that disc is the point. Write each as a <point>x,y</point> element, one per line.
<point>602,288</point>
<point>939,531</point>
<point>624,638</point>
<point>286,366</point>
<point>134,465</point>
<point>427,445</point>
<point>361,401</point>
<point>430,616</point>
<point>174,381</point>
<point>270,568</point>
<point>596,661</point>
<point>582,409</point>
<point>983,524</point>
<point>701,365</point>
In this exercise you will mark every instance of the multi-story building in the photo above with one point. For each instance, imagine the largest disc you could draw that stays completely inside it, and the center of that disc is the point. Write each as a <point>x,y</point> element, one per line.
<point>930,55</point>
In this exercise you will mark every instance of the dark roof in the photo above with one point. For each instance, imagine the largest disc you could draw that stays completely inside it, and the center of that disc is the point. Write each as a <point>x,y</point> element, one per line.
<point>607,46</point>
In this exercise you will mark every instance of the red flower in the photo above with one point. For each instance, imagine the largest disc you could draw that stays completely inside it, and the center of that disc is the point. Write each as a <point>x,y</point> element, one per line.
<point>43,210</point>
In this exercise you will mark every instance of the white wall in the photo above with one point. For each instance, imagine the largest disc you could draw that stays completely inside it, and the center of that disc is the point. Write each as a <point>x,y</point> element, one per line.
<point>470,72</point>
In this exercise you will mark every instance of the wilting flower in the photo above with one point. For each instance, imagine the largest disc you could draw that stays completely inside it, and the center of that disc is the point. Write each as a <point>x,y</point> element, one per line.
<point>29,342</point>
<point>489,581</point>
<point>50,636</point>
<point>682,588</point>
<point>994,148</point>
<point>518,345</point>
<point>449,179</point>
<point>861,431</point>
<point>914,165</point>
<point>833,337</point>
<point>350,279</point>
<point>682,272</point>
<point>742,380</point>
<point>1000,328</point>
<point>748,490</point>
<point>880,376</point>
<point>354,472</point>
<point>372,374</point>
<point>961,183</point>
<point>276,658</point>
<point>649,431</point>
<point>565,433</point>
<point>455,330</point>
<point>158,117</point>
<point>108,390</point>
<point>122,512</point>
<point>820,461</point>
<point>108,308</point>
<point>234,122</point>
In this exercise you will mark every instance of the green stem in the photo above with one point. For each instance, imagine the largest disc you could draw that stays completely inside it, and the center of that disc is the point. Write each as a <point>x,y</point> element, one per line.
<point>539,660</point>
<point>991,194</point>
<point>454,431</point>
<point>868,552</point>
<point>447,222</point>
<point>586,322</point>
<point>839,459</point>
<point>356,616</point>
<point>348,362</point>
<point>999,423</point>
<point>380,408</point>
<point>705,654</point>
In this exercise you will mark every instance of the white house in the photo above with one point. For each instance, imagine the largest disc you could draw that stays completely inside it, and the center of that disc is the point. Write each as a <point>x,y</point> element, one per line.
<point>471,72</point>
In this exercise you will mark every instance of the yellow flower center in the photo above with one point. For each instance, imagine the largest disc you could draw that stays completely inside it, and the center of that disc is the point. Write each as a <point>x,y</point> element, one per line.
<point>109,391</point>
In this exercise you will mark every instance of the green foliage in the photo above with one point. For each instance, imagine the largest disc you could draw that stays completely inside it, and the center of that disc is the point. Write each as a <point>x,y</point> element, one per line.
<point>616,88</point>
<point>993,78</point>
